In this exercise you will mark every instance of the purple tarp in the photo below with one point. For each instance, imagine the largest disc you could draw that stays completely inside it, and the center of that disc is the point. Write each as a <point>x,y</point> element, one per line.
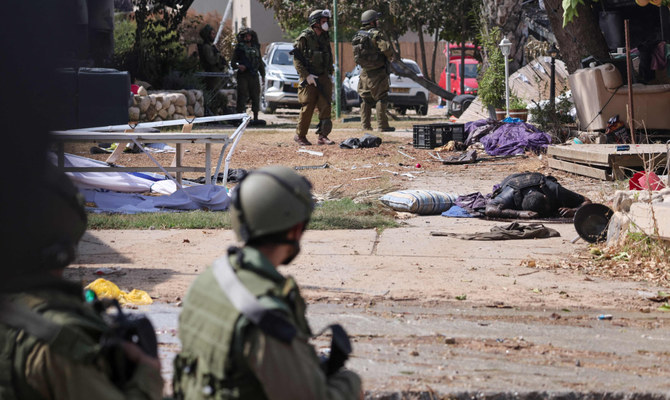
<point>506,138</point>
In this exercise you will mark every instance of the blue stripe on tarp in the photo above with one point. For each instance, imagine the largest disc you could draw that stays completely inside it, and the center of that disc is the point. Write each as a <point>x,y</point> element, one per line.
<point>146,176</point>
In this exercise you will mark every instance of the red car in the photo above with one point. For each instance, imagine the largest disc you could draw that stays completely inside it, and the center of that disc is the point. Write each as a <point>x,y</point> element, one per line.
<point>470,75</point>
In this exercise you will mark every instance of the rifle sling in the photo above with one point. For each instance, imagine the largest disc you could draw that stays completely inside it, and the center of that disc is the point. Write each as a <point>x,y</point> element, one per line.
<point>271,322</point>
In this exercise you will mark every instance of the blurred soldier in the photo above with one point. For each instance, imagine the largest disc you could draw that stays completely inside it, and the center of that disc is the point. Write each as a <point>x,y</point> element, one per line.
<point>53,343</point>
<point>531,195</point>
<point>243,327</point>
<point>49,337</point>
<point>211,60</point>
<point>373,52</point>
<point>247,60</point>
<point>313,60</point>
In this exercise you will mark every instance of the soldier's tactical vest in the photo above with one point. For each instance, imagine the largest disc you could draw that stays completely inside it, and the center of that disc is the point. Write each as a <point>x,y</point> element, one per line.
<point>366,53</point>
<point>525,180</point>
<point>70,328</point>
<point>211,332</point>
<point>318,51</point>
<point>253,55</point>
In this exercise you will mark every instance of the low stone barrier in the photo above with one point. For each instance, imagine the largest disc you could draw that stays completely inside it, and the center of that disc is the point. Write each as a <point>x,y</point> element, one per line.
<point>167,105</point>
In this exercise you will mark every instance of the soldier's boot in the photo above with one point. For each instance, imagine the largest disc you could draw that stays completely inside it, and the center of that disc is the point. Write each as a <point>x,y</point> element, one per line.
<point>302,140</point>
<point>323,129</point>
<point>382,117</point>
<point>366,115</point>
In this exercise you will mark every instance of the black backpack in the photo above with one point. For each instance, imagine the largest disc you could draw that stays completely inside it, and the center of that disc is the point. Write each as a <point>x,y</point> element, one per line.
<point>366,53</point>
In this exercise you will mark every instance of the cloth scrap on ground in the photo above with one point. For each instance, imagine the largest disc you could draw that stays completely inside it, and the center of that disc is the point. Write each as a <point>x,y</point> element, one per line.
<point>502,138</point>
<point>512,231</point>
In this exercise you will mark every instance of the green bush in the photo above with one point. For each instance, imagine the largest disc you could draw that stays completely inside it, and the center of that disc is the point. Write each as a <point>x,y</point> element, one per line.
<point>491,90</point>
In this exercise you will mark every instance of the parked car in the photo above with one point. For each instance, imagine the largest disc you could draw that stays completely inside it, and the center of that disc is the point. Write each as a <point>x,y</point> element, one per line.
<point>404,93</point>
<point>281,78</point>
<point>453,71</point>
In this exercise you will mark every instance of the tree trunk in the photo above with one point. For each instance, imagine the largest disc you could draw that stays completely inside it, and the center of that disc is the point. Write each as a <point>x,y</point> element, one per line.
<point>422,45</point>
<point>436,42</point>
<point>507,15</point>
<point>580,38</point>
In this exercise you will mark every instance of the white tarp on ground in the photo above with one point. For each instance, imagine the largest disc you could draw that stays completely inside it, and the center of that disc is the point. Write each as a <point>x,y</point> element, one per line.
<point>117,191</point>
<point>116,181</point>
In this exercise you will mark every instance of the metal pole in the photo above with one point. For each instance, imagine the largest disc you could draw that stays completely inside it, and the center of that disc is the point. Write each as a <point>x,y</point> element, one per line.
<point>506,87</point>
<point>337,62</point>
<point>629,70</point>
<point>447,75</point>
<point>552,83</point>
<point>223,22</point>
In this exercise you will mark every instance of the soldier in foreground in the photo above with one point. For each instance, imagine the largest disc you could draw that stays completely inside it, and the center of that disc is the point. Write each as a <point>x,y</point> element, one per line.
<point>249,65</point>
<point>243,328</point>
<point>313,59</point>
<point>54,343</point>
<point>532,195</point>
<point>50,338</point>
<point>373,52</point>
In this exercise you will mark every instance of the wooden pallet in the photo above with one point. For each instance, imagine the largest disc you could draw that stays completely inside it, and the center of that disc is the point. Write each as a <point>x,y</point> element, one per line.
<point>603,161</point>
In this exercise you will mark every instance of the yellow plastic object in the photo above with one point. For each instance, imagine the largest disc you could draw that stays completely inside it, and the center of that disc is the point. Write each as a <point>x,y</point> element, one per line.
<point>106,289</point>
<point>138,297</point>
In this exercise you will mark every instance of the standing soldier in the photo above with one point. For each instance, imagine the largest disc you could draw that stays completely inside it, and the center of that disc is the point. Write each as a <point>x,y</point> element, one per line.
<point>247,60</point>
<point>211,60</point>
<point>313,60</point>
<point>372,51</point>
<point>243,328</point>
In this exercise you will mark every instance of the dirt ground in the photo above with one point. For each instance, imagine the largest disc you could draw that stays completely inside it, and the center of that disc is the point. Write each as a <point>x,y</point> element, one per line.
<point>401,291</point>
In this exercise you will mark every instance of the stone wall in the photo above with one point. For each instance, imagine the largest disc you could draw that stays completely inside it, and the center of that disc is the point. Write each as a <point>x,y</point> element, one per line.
<point>167,105</point>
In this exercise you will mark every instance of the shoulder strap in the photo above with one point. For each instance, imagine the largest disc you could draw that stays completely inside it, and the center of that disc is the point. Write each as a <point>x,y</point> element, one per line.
<point>21,317</point>
<point>269,321</point>
<point>60,338</point>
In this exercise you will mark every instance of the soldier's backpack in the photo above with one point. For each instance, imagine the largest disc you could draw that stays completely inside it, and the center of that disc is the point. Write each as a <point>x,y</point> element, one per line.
<point>366,53</point>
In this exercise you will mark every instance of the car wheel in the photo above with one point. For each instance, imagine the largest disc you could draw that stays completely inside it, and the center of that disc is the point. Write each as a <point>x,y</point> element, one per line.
<point>422,109</point>
<point>267,108</point>
<point>344,106</point>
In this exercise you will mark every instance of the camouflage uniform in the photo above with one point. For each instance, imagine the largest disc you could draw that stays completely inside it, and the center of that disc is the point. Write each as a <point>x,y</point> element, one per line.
<point>248,83</point>
<point>373,85</point>
<point>316,49</point>
<point>224,355</point>
<point>70,366</point>
<point>211,60</point>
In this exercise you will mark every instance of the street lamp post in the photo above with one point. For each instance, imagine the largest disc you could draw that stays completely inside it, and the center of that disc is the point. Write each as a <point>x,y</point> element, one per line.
<point>553,53</point>
<point>505,48</point>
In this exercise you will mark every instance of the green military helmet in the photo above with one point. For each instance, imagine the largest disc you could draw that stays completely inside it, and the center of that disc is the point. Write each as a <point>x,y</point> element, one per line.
<point>369,16</point>
<point>243,32</point>
<point>270,200</point>
<point>316,16</point>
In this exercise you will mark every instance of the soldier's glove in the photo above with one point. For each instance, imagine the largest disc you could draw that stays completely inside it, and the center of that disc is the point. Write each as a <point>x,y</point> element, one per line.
<point>311,79</point>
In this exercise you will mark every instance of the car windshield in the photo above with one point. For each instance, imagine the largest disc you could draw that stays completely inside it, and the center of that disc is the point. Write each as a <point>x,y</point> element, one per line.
<point>282,57</point>
<point>470,70</point>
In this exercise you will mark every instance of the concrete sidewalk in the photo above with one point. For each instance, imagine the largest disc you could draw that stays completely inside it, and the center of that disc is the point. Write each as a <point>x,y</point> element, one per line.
<point>520,332</point>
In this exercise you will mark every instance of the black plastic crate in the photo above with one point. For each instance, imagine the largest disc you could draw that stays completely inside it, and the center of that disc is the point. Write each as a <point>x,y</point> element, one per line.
<point>435,135</point>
